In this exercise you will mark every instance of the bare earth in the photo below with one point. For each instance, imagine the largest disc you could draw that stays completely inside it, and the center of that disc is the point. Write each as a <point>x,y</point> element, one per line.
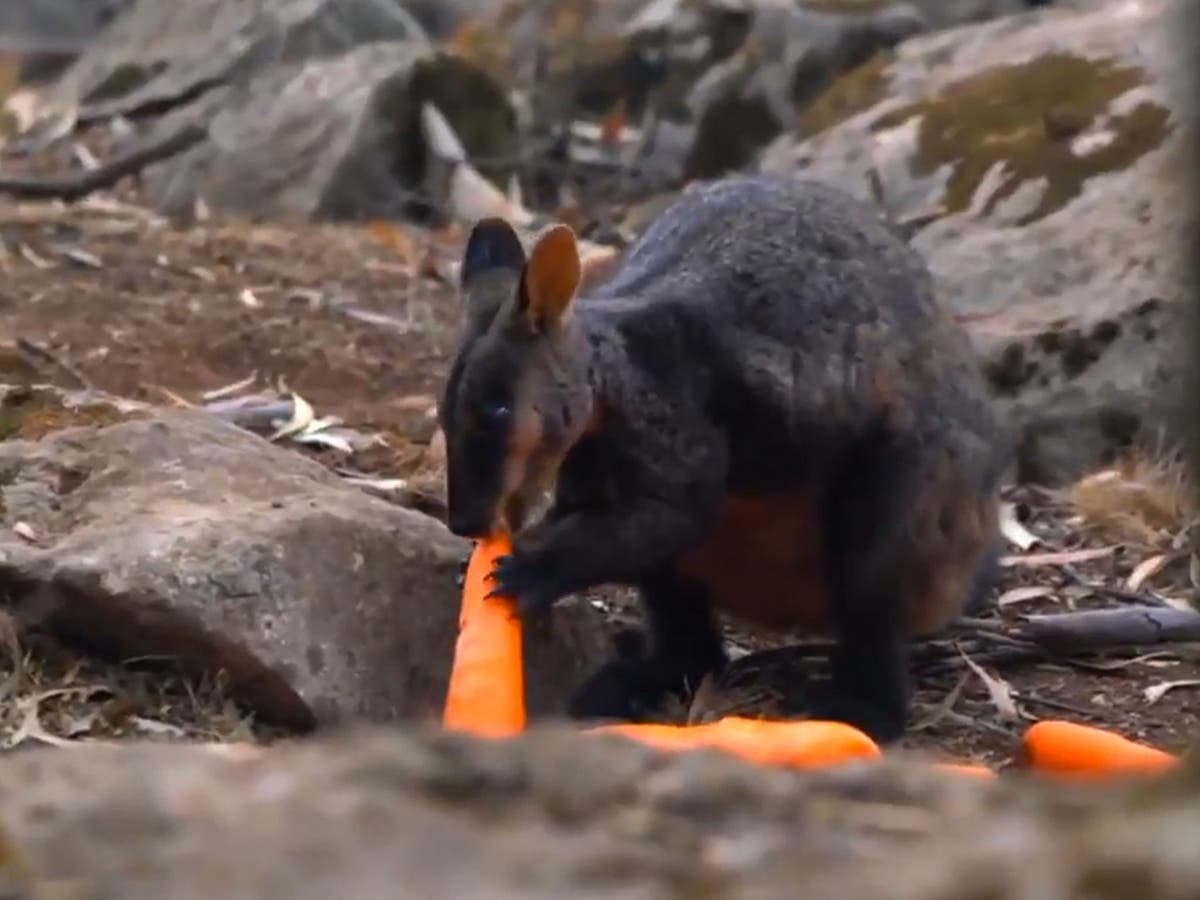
<point>360,325</point>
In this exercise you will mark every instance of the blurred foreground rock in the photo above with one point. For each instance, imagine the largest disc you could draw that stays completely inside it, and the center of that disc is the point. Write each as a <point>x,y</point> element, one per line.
<point>135,533</point>
<point>561,815</point>
<point>1040,161</point>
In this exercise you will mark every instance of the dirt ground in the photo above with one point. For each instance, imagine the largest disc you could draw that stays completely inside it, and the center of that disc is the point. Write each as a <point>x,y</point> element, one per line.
<point>359,322</point>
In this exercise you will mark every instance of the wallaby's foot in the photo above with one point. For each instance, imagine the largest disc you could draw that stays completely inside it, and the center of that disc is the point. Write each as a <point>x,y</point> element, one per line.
<point>869,684</point>
<point>881,722</point>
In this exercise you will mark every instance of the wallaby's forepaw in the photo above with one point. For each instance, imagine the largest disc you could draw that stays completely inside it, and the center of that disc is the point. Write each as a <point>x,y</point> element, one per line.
<point>528,578</point>
<point>626,689</point>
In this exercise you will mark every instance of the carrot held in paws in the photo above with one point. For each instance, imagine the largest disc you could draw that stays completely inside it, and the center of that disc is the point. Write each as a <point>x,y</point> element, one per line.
<point>1059,747</point>
<point>487,685</point>
<point>801,743</point>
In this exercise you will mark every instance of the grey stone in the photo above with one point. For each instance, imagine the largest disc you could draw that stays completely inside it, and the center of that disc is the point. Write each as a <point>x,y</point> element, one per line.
<point>1039,161</point>
<point>174,534</point>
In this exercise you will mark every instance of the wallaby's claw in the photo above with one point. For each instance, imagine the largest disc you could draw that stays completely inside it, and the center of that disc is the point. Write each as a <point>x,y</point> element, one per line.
<point>523,577</point>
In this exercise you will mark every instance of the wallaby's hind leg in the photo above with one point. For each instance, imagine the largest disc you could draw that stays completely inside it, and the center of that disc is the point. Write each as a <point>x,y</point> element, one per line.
<point>684,645</point>
<point>869,527</point>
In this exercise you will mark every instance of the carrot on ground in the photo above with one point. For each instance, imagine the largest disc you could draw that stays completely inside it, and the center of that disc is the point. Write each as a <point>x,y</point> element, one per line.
<point>801,743</point>
<point>487,685</point>
<point>1058,747</point>
<point>975,770</point>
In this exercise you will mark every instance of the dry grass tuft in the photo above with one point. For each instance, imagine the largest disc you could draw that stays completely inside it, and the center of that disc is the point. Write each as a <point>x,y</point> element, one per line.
<point>1139,501</point>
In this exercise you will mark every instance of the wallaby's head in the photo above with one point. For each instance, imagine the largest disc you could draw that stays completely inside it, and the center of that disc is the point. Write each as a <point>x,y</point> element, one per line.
<point>517,397</point>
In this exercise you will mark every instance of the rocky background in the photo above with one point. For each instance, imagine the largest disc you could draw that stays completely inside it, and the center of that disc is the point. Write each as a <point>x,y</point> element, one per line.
<point>229,232</point>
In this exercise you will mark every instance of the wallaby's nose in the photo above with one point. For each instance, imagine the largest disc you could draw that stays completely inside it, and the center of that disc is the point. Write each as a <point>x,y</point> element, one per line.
<point>469,524</point>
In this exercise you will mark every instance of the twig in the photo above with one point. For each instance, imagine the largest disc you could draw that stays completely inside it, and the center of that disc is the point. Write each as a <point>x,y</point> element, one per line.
<point>1036,700</point>
<point>38,352</point>
<point>1125,596</point>
<point>75,185</point>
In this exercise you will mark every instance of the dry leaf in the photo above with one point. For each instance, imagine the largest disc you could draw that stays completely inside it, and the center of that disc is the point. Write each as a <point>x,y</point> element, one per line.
<point>85,157</point>
<point>396,240</point>
<point>1156,692</point>
<point>1145,570</point>
<point>25,531</point>
<point>1177,603</point>
<point>613,125</point>
<point>1156,658</point>
<point>1023,594</point>
<point>82,258</point>
<point>945,707</point>
<point>999,691</point>
<point>1060,558</point>
<point>31,727</point>
<point>154,726</point>
<point>33,258</point>
<point>1016,533</point>
<point>384,485</point>
<point>302,417</point>
<point>324,439</point>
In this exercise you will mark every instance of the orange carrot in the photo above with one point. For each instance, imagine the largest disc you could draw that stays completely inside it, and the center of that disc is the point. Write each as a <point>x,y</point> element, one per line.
<point>975,770</point>
<point>487,687</point>
<point>798,743</point>
<point>1062,748</point>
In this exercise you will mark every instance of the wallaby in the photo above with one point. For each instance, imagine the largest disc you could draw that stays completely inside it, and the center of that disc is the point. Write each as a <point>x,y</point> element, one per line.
<point>764,411</point>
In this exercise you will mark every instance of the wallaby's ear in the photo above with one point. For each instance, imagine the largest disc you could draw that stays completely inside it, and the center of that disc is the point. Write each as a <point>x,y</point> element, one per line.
<point>492,245</point>
<point>551,276</point>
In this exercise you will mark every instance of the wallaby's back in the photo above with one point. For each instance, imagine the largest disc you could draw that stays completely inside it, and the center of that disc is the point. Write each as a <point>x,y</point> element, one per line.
<point>799,316</point>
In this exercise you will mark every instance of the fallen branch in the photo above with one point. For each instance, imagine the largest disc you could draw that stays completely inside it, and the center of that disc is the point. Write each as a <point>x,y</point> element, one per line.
<point>1102,629</point>
<point>75,185</point>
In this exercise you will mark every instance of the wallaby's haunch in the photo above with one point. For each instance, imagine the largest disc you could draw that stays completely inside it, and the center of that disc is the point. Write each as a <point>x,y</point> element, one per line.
<point>764,411</point>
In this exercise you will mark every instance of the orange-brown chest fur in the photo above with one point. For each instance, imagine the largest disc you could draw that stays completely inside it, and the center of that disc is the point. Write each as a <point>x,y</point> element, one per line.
<point>763,561</point>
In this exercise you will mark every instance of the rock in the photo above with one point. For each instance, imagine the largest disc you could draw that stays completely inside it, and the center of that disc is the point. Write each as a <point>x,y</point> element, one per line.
<point>47,35</point>
<point>947,13</point>
<point>308,108</point>
<point>161,53</point>
<point>173,534</point>
<point>358,153</point>
<point>1039,161</point>
<point>554,814</point>
<point>790,54</point>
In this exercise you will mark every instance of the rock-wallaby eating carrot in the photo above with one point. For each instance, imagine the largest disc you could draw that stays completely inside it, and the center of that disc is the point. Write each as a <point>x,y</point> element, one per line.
<point>764,411</point>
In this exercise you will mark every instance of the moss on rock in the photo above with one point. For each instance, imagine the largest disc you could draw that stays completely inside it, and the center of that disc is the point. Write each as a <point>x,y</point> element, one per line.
<point>1024,117</point>
<point>855,92</point>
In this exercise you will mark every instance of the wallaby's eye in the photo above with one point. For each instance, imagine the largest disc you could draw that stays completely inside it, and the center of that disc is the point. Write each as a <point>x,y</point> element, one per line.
<point>496,413</point>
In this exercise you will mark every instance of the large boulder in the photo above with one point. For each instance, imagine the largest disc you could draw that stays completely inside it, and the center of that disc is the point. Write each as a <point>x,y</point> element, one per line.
<point>135,533</point>
<point>47,35</point>
<point>1039,162</point>
<point>160,53</point>
<point>554,814</point>
<point>307,109</point>
<point>337,138</point>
